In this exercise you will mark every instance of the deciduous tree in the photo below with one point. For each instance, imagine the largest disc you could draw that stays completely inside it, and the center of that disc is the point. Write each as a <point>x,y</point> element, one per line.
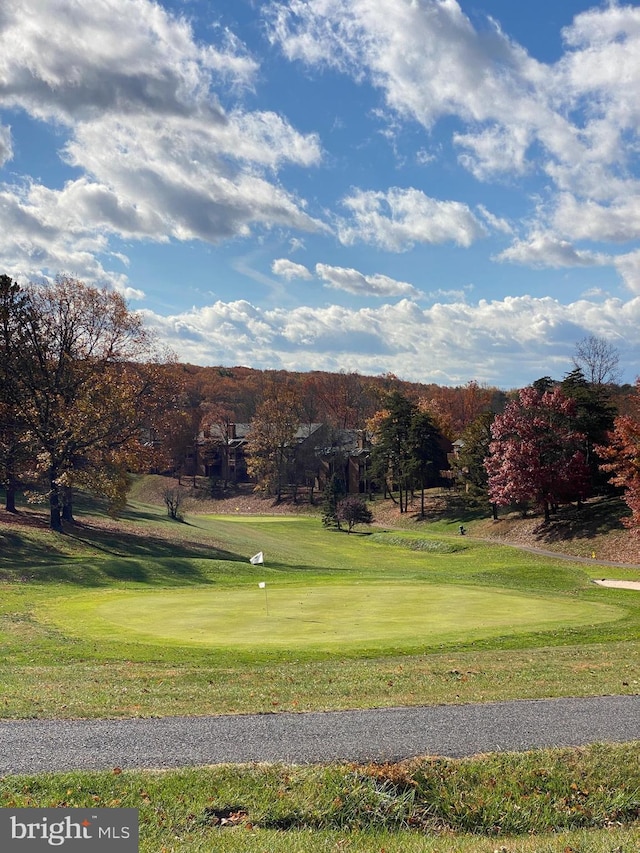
<point>87,388</point>
<point>598,360</point>
<point>271,440</point>
<point>536,454</point>
<point>621,459</point>
<point>353,510</point>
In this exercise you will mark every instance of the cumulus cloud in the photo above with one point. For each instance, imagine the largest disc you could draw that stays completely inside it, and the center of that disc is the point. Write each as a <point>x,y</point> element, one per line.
<point>35,241</point>
<point>545,250</point>
<point>352,281</point>
<point>628,265</point>
<point>400,218</point>
<point>289,270</point>
<point>575,120</point>
<point>71,61</point>
<point>429,62</point>
<point>346,279</point>
<point>159,157</point>
<point>497,341</point>
<point>586,219</point>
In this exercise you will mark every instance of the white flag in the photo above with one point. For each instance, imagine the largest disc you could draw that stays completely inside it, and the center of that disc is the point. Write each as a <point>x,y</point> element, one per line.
<point>257,558</point>
<point>262,584</point>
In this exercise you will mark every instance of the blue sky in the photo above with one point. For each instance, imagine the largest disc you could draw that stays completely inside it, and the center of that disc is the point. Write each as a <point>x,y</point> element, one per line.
<point>448,190</point>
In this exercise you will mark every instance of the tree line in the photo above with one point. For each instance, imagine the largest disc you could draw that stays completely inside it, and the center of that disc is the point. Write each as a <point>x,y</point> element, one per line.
<point>87,396</point>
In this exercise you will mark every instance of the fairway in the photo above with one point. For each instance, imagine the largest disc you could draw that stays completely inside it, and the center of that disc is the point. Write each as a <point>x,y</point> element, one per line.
<point>322,618</point>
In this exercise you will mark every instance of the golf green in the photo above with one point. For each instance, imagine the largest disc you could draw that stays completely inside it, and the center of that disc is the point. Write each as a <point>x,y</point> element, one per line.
<point>358,617</point>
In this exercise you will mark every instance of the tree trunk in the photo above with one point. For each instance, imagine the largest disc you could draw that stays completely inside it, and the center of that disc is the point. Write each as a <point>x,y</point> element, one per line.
<point>55,517</point>
<point>67,504</point>
<point>10,501</point>
<point>389,492</point>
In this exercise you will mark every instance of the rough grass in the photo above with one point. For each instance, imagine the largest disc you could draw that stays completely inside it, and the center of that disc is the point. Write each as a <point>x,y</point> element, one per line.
<point>587,797</point>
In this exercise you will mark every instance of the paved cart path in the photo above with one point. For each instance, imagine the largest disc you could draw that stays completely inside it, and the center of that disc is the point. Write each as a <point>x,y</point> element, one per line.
<point>390,734</point>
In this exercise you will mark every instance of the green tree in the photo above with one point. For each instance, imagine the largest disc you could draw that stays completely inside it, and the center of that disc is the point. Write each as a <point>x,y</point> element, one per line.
<point>334,492</point>
<point>594,417</point>
<point>474,449</point>
<point>427,453</point>
<point>392,455</point>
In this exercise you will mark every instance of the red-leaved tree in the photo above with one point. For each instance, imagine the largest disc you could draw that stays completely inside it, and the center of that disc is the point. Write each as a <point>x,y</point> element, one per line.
<point>622,460</point>
<point>536,455</point>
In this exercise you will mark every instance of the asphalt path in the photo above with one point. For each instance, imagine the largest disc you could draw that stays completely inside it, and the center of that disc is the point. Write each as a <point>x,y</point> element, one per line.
<point>386,734</point>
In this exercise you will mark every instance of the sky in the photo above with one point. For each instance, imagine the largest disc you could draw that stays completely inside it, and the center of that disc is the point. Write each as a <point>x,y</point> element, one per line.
<point>446,190</point>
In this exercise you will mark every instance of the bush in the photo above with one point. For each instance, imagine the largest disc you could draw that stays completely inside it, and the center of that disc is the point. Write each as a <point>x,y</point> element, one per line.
<point>353,510</point>
<point>173,500</point>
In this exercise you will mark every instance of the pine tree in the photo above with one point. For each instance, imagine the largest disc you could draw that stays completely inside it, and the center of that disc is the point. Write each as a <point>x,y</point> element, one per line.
<point>334,492</point>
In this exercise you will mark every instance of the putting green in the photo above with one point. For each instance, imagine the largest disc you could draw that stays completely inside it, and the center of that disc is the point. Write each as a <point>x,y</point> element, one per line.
<point>354,618</point>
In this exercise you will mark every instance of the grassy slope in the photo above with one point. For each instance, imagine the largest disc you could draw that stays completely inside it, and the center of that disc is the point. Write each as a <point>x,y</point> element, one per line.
<point>49,672</point>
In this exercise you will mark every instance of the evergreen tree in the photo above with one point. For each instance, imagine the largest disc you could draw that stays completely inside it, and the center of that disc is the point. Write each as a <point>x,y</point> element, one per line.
<point>427,454</point>
<point>392,457</point>
<point>14,441</point>
<point>595,417</point>
<point>334,492</point>
<point>476,441</point>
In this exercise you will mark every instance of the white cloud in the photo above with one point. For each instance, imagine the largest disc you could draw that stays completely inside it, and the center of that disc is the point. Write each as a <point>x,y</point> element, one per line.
<point>628,266</point>
<point>289,270</point>
<point>72,61</point>
<point>496,223</point>
<point>545,250</point>
<point>576,120</point>
<point>176,176</point>
<point>35,240</point>
<point>352,281</point>
<point>159,157</point>
<point>587,220</point>
<point>6,145</point>
<point>400,218</point>
<point>430,62</point>
<point>506,342</point>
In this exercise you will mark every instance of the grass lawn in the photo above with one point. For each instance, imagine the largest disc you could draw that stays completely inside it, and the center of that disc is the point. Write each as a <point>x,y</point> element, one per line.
<point>162,618</point>
<point>151,617</point>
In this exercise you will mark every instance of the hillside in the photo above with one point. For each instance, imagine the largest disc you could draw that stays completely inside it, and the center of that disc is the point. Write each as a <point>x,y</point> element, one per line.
<point>593,529</point>
<point>596,527</point>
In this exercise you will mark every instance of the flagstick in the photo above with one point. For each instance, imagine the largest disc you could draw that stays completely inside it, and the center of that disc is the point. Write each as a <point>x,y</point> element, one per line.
<point>266,597</point>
